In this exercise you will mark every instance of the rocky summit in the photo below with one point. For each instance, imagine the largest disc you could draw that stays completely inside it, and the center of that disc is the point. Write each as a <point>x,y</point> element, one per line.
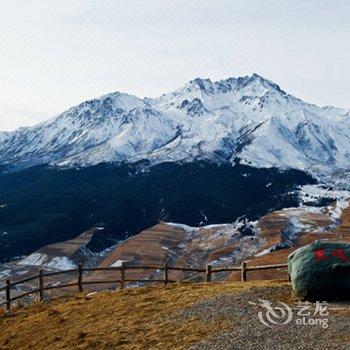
<point>248,119</point>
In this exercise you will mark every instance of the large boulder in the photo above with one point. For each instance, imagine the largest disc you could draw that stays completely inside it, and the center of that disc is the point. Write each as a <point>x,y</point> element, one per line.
<point>321,271</point>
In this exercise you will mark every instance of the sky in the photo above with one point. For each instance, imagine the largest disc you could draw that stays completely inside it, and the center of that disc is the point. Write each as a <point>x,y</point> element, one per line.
<point>56,54</point>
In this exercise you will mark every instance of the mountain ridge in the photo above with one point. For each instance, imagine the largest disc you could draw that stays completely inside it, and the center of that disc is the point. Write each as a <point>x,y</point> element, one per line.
<point>250,119</point>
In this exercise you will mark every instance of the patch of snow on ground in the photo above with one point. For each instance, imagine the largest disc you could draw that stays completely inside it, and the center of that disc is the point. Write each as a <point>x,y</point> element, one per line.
<point>264,252</point>
<point>337,210</point>
<point>35,259</point>
<point>183,226</point>
<point>289,235</point>
<point>170,252</point>
<point>57,262</point>
<point>117,263</point>
<point>294,227</point>
<point>61,263</point>
<point>237,224</point>
<point>313,193</point>
<point>5,273</point>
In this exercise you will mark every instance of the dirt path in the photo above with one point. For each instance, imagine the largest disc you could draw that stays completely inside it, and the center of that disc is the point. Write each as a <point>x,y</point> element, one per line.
<point>247,332</point>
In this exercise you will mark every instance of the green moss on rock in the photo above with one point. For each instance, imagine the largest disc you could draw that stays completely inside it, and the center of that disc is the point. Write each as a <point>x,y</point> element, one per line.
<point>321,271</point>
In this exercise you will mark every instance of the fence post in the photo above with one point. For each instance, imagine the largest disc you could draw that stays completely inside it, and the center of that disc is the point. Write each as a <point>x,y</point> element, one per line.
<point>80,277</point>
<point>166,273</point>
<point>122,275</point>
<point>244,272</point>
<point>41,284</point>
<point>8,295</point>
<point>208,273</point>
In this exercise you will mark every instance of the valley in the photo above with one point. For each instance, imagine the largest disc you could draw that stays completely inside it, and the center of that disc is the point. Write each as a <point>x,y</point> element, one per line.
<point>267,240</point>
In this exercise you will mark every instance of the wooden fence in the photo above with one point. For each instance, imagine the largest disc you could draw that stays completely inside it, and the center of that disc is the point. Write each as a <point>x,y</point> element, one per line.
<point>209,271</point>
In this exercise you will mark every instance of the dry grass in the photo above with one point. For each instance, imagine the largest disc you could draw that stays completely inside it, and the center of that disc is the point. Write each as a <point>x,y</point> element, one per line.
<point>137,318</point>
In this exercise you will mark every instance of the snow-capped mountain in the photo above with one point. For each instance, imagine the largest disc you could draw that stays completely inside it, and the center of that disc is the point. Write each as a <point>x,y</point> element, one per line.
<point>247,118</point>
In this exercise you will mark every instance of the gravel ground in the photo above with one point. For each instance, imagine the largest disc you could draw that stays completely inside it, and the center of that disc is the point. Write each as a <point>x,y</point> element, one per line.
<point>245,331</point>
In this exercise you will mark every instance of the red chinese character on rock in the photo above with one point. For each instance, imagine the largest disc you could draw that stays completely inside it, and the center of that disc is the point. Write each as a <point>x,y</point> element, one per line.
<point>320,254</point>
<point>340,254</point>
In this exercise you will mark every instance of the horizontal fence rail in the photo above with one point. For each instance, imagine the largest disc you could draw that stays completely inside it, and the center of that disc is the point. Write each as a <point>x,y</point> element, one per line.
<point>41,287</point>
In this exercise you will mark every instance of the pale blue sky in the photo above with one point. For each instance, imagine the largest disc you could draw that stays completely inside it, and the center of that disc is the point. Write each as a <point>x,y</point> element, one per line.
<point>55,54</point>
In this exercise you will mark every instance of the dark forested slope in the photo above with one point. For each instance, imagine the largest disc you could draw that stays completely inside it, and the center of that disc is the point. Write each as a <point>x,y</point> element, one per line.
<point>43,205</point>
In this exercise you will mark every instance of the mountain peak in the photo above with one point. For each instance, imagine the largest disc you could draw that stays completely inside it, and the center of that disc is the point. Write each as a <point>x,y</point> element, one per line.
<point>233,83</point>
<point>258,77</point>
<point>248,117</point>
<point>115,100</point>
<point>204,85</point>
<point>266,82</point>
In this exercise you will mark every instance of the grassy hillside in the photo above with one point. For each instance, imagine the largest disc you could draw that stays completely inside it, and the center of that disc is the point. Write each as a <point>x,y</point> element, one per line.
<point>142,318</point>
<point>180,316</point>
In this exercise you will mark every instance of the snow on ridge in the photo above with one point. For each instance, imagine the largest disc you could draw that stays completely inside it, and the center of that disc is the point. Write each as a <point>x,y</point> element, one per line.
<point>198,121</point>
<point>220,229</point>
<point>196,228</point>
<point>186,228</point>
